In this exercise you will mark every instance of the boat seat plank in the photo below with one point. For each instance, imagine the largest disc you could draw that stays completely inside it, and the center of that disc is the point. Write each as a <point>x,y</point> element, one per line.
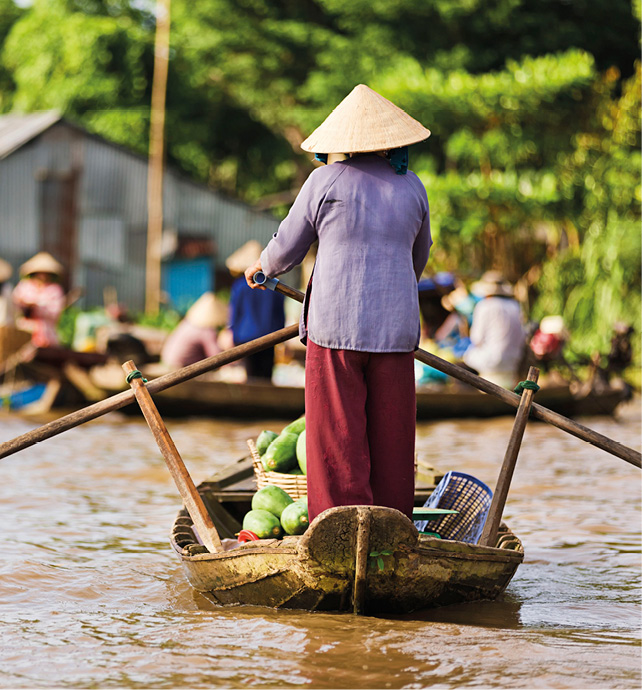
<point>233,473</point>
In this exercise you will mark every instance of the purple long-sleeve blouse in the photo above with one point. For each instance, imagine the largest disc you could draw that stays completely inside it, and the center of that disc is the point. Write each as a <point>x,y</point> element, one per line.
<point>373,229</point>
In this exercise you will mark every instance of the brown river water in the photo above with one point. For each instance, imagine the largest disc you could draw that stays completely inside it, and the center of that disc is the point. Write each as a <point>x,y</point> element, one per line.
<point>91,595</point>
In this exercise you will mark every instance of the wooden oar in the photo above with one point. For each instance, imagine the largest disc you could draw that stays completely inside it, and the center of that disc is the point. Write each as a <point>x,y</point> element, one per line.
<point>116,402</point>
<point>537,411</point>
<point>491,527</point>
<point>122,399</point>
<point>186,487</point>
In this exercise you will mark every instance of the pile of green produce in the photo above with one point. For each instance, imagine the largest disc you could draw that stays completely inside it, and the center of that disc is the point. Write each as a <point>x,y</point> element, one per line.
<point>274,512</point>
<point>284,452</point>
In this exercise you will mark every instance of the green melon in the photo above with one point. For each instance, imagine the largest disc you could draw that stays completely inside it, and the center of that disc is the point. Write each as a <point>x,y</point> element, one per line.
<point>294,518</point>
<point>271,498</point>
<point>263,524</point>
<point>264,439</point>
<point>300,452</point>
<point>281,454</point>
<point>297,471</point>
<point>296,427</point>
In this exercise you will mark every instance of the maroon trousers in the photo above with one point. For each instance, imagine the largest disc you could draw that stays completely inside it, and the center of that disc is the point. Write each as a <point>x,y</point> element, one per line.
<point>360,410</point>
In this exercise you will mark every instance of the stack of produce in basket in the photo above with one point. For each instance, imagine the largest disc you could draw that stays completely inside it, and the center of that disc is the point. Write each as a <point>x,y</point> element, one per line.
<point>274,512</point>
<point>280,504</point>
<point>284,452</point>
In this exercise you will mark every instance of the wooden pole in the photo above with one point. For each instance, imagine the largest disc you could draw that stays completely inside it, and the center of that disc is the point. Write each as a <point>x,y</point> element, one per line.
<point>191,498</point>
<point>156,159</point>
<point>116,402</point>
<point>537,411</point>
<point>596,439</point>
<point>491,528</point>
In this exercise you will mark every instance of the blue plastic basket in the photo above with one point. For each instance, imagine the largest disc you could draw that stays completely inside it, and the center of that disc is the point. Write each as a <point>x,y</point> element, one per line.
<point>466,494</point>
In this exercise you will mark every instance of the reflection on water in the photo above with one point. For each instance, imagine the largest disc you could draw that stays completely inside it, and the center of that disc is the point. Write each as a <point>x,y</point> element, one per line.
<point>92,595</point>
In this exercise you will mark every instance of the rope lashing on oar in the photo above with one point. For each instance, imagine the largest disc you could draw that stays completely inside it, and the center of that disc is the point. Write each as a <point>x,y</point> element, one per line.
<point>525,385</point>
<point>135,375</point>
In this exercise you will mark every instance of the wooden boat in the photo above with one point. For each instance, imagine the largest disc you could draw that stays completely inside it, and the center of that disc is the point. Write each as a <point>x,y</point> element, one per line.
<point>404,571</point>
<point>207,396</point>
<point>34,380</point>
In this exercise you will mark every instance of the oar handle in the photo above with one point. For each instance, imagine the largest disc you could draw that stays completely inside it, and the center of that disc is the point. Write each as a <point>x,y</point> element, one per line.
<point>277,286</point>
<point>498,503</point>
<point>186,487</point>
<point>261,279</point>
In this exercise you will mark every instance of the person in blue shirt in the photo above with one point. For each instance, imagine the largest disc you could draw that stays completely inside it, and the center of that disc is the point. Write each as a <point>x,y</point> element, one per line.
<point>253,313</point>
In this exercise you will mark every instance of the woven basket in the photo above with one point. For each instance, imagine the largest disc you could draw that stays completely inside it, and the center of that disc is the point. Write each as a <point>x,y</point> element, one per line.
<point>296,485</point>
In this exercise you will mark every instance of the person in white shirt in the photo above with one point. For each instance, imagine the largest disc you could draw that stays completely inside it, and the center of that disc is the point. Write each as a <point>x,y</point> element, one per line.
<point>497,335</point>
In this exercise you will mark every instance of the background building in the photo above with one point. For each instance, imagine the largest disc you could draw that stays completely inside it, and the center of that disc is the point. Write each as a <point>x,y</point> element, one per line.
<point>84,200</point>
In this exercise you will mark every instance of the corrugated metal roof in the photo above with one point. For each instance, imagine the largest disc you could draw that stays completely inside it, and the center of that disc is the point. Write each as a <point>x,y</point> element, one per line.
<point>17,130</point>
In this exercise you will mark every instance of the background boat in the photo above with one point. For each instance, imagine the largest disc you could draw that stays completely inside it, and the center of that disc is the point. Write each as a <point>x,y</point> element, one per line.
<point>208,395</point>
<point>36,379</point>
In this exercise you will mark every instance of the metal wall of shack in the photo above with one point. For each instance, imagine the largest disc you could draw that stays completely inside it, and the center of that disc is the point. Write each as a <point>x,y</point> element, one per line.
<point>110,216</point>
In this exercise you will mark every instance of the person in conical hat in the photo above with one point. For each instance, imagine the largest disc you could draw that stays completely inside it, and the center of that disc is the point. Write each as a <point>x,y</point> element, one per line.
<point>42,263</point>
<point>207,312</point>
<point>253,313</point>
<point>195,337</point>
<point>548,341</point>
<point>492,284</point>
<point>360,319</point>
<point>497,334</point>
<point>40,299</point>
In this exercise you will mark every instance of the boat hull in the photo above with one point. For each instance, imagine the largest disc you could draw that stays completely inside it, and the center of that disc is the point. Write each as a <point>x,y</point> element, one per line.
<point>317,572</point>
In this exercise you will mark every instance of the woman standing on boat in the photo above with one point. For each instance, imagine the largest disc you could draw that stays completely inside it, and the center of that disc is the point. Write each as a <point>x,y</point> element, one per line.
<point>360,317</point>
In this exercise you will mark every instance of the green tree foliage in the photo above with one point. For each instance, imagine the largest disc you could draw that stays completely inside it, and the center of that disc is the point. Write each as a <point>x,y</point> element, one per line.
<point>533,166</point>
<point>490,167</point>
<point>92,67</point>
<point>595,281</point>
<point>9,14</point>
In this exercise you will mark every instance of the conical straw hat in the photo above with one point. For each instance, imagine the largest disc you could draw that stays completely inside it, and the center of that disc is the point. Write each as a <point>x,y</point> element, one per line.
<point>42,262</point>
<point>207,312</point>
<point>553,325</point>
<point>492,284</point>
<point>244,257</point>
<point>365,121</point>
